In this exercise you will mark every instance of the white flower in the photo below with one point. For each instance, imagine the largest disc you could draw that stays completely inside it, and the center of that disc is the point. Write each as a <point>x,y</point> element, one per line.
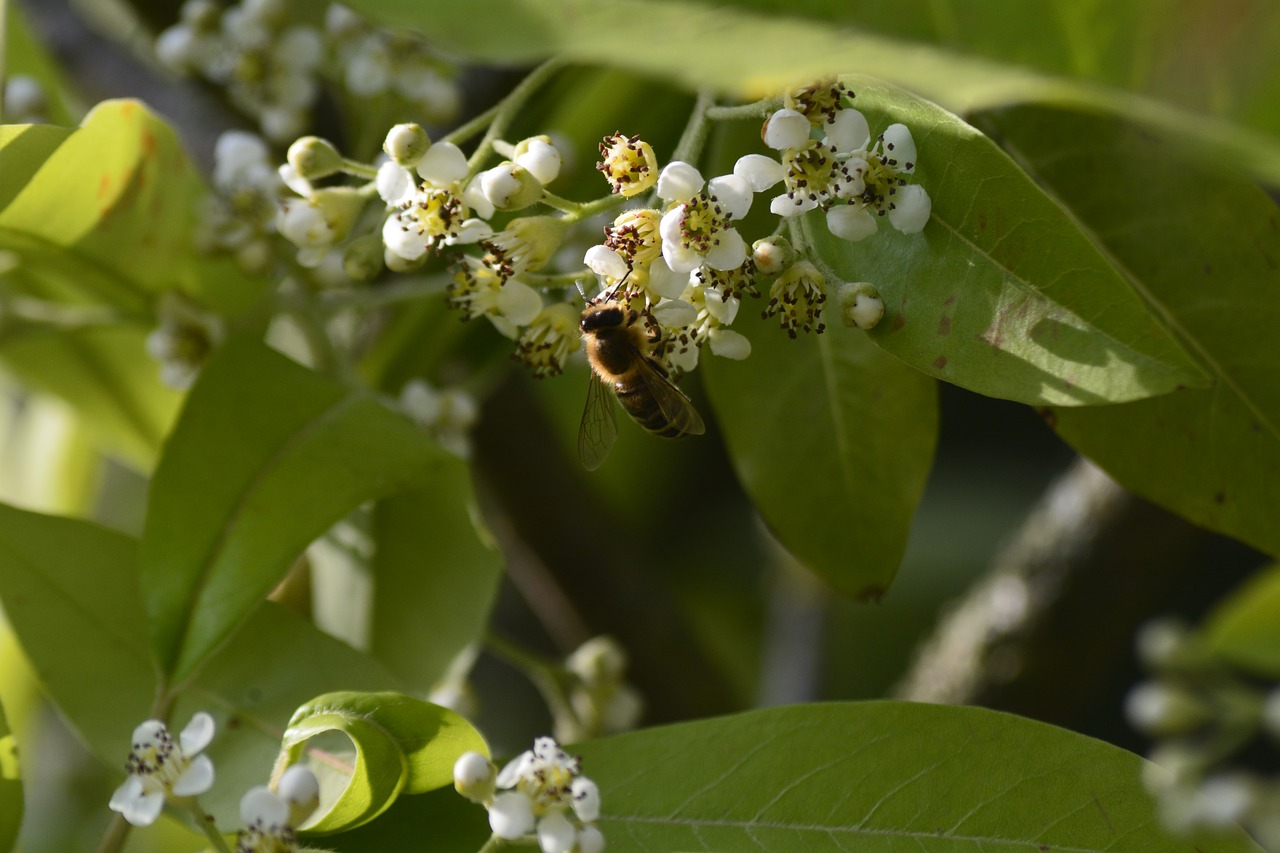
<point>159,767</point>
<point>448,414</point>
<point>698,226</point>
<point>543,792</point>
<point>436,211</point>
<point>480,290</point>
<point>540,157</point>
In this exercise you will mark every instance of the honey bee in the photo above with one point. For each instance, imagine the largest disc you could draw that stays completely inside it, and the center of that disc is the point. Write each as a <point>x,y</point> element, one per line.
<point>619,349</point>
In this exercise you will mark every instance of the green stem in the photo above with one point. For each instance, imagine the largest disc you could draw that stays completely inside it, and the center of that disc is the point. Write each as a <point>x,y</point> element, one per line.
<point>209,828</point>
<point>588,209</point>
<point>694,136</point>
<point>759,109</point>
<point>117,831</point>
<point>463,132</point>
<point>506,111</point>
<point>547,677</point>
<point>358,169</point>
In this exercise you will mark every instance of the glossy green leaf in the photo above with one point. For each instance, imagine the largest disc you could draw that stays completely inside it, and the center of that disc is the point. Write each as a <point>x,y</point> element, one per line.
<point>1207,263</point>
<point>435,578</point>
<point>266,456</point>
<point>70,590</point>
<point>1002,293</point>
<point>832,440</point>
<point>1245,628</point>
<point>23,149</point>
<point>11,799</point>
<point>756,55</point>
<point>105,375</point>
<point>877,776</point>
<point>402,745</point>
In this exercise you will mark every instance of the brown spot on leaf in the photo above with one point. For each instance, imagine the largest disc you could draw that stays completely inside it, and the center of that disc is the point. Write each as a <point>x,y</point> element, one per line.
<point>944,325</point>
<point>982,222</point>
<point>1049,416</point>
<point>104,186</point>
<point>940,362</point>
<point>1220,497</point>
<point>950,300</point>
<point>898,322</point>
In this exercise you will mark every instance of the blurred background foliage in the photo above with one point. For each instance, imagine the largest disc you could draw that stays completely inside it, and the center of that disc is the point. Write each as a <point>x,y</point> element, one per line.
<point>666,530</point>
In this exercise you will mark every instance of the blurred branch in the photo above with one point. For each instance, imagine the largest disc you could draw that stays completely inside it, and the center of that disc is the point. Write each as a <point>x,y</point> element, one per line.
<point>584,569</point>
<point>1047,632</point>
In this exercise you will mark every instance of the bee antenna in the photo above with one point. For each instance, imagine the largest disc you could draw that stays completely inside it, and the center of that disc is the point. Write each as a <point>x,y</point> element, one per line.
<point>617,287</point>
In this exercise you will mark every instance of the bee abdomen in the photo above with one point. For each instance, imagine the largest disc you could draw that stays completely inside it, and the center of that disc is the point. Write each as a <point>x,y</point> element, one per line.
<point>644,410</point>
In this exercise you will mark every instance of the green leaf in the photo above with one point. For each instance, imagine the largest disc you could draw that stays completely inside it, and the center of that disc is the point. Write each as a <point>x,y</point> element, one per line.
<point>835,453</point>
<point>70,590</point>
<point>403,745</point>
<point>1206,261</point>
<point>271,667</point>
<point>10,786</point>
<point>1245,628</point>
<point>23,149</point>
<point>435,578</point>
<point>106,376</point>
<point>266,456</point>
<point>1001,293</point>
<point>878,776</point>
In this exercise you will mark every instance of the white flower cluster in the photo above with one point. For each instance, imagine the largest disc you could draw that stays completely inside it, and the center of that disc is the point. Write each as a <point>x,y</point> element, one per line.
<point>239,216</point>
<point>542,794</point>
<point>1205,716</point>
<point>161,769</point>
<point>268,67</point>
<point>693,268</point>
<point>448,414</point>
<point>603,702</point>
<point>375,62</point>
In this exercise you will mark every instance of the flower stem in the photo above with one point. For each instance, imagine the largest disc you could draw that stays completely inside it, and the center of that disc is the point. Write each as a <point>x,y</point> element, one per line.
<point>210,828</point>
<point>117,833</point>
<point>588,209</point>
<point>506,111</point>
<point>547,677</point>
<point>694,136</point>
<point>759,109</point>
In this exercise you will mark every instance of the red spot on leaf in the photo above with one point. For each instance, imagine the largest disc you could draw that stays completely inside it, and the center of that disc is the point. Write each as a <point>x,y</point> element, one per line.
<point>104,186</point>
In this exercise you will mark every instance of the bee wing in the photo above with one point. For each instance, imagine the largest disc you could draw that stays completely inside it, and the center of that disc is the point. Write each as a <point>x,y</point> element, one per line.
<point>676,406</point>
<point>599,427</point>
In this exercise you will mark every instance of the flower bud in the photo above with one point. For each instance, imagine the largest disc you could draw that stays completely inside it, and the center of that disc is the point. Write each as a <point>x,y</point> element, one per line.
<point>510,187</point>
<point>860,305</point>
<point>598,660</point>
<point>771,255</point>
<point>1161,709</point>
<point>406,143</point>
<point>301,790</point>
<point>474,777</point>
<point>314,158</point>
<point>539,156</point>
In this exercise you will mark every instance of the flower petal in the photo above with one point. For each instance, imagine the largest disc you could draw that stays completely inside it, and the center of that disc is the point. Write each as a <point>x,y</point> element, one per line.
<point>759,170</point>
<point>784,205</point>
<point>679,181</point>
<point>729,253</point>
<point>786,129</point>
<point>900,146</point>
<point>196,779</point>
<point>403,240</point>
<point>664,281</point>
<point>511,815</point>
<point>586,799</point>
<point>395,184</point>
<point>519,302</point>
<point>733,192</point>
<point>197,734</point>
<point>849,131</point>
<point>555,833</point>
<point>674,313</point>
<point>727,343</point>
<point>260,806</point>
<point>443,164</point>
<point>911,209</point>
<point>604,261</point>
<point>850,222</point>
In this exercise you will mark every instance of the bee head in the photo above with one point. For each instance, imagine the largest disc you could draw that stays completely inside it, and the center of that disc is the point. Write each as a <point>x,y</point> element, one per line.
<point>607,315</point>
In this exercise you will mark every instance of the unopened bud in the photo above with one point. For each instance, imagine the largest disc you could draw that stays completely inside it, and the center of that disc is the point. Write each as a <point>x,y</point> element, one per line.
<point>314,158</point>
<point>1161,710</point>
<point>539,156</point>
<point>406,143</point>
<point>509,186</point>
<point>771,255</point>
<point>860,305</point>
<point>301,790</point>
<point>598,660</point>
<point>475,777</point>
